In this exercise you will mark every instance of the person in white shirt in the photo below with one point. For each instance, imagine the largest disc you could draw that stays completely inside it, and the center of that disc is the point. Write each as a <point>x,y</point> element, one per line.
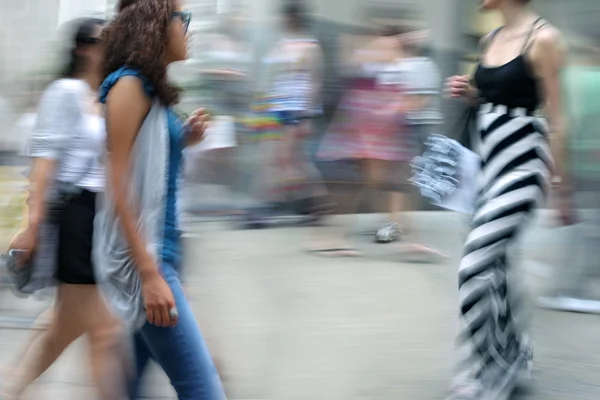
<point>67,174</point>
<point>419,80</point>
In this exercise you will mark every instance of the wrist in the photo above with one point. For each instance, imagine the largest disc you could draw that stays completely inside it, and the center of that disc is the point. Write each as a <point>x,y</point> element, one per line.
<point>148,273</point>
<point>147,268</point>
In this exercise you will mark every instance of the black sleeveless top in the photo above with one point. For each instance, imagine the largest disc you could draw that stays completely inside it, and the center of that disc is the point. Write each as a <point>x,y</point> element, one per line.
<point>512,84</point>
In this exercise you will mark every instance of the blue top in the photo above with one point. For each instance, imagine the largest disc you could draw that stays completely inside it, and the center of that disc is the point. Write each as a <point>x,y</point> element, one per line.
<point>171,245</point>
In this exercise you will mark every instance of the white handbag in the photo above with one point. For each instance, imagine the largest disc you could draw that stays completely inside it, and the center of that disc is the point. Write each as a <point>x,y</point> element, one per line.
<point>446,174</point>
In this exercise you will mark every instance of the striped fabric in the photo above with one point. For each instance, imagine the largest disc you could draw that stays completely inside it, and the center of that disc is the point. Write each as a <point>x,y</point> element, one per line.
<point>513,182</point>
<point>292,82</point>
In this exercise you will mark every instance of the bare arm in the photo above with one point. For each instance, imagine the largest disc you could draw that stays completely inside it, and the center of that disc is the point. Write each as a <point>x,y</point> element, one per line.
<point>468,89</point>
<point>126,107</point>
<point>41,172</point>
<point>548,56</point>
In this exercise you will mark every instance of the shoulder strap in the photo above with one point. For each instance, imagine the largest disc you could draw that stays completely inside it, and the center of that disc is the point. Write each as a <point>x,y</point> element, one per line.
<point>488,41</point>
<point>535,27</point>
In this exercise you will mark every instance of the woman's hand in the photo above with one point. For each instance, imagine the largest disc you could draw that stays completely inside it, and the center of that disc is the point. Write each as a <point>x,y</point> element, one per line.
<point>158,299</point>
<point>458,86</point>
<point>197,125</point>
<point>24,240</point>
<point>565,206</point>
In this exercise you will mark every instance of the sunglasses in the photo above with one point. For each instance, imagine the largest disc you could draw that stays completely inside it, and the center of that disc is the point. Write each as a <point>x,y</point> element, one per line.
<point>89,40</point>
<point>185,18</point>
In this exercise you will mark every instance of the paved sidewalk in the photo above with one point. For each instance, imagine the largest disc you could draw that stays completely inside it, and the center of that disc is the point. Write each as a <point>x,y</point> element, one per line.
<point>289,325</point>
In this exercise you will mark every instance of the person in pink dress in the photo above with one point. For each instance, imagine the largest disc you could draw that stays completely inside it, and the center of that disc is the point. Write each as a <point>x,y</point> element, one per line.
<point>368,128</point>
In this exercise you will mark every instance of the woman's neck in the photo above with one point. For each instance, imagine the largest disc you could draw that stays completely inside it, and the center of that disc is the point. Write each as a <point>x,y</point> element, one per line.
<point>515,14</point>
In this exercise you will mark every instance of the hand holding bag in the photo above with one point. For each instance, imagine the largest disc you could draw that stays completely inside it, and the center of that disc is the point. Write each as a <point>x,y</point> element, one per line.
<point>39,270</point>
<point>446,173</point>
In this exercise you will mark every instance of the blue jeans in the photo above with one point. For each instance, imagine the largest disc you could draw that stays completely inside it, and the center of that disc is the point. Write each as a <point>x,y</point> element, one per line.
<point>180,351</point>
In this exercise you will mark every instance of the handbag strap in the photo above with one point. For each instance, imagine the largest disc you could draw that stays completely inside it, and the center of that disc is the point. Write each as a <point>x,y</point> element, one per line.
<point>465,126</point>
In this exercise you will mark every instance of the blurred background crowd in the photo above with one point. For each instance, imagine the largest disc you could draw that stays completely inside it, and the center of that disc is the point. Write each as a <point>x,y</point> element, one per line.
<point>351,158</point>
<point>228,72</point>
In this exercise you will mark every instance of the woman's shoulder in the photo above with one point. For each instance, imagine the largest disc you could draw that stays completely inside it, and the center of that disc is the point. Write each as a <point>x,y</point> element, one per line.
<point>548,34</point>
<point>124,71</point>
<point>547,45</point>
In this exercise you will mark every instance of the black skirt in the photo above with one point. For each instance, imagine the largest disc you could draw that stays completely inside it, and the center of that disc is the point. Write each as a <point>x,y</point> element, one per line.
<point>75,232</point>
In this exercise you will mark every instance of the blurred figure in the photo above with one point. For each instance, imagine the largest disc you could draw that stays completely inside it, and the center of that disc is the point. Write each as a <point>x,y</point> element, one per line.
<point>519,71</point>
<point>138,241</point>
<point>227,73</point>
<point>229,60</point>
<point>67,146</point>
<point>575,280</point>
<point>369,128</point>
<point>295,64</point>
<point>419,82</point>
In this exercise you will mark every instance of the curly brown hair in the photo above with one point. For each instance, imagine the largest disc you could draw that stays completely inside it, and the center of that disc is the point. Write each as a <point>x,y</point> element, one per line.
<point>137,38</point>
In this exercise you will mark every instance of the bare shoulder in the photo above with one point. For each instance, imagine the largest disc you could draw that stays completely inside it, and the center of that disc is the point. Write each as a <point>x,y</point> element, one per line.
<point>548,45</point>
<point>128,90</point>
<point>549,36</point>
<point>548,50</point>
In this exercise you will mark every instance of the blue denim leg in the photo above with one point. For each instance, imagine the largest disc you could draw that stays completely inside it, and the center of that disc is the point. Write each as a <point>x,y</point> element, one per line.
<point>142,357</point>
<point>180,351</point>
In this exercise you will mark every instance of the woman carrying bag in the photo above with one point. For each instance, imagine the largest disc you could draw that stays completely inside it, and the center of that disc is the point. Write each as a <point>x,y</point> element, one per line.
<point>56,245</point>
<point>520,157</point>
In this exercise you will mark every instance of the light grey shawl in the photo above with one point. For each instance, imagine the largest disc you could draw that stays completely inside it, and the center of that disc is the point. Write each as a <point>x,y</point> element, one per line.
<point>115,267</point>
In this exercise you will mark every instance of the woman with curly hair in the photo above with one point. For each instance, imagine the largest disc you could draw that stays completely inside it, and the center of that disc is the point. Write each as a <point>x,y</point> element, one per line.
<point>138,239</point>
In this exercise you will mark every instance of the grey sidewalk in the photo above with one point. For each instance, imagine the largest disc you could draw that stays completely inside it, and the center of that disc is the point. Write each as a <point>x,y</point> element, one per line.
<point>289,325</point>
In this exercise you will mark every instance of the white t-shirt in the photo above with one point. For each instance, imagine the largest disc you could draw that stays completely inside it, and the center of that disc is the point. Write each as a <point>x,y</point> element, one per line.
<point>64,131</point>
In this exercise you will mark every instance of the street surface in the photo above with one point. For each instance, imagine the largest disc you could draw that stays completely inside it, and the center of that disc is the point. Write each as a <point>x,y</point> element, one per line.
<point>285,324</point>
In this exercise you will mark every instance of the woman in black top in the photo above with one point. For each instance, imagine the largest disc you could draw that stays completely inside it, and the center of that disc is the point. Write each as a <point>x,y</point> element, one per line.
<point>517,75</point>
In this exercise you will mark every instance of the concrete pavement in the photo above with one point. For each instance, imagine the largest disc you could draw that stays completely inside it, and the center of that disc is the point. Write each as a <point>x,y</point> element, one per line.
<point>287,325</point>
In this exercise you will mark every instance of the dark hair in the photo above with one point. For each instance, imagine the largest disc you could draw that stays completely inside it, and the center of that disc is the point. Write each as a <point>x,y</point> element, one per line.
<point>296,14</point>
<point>82,33</point>
<point>137,37</point>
